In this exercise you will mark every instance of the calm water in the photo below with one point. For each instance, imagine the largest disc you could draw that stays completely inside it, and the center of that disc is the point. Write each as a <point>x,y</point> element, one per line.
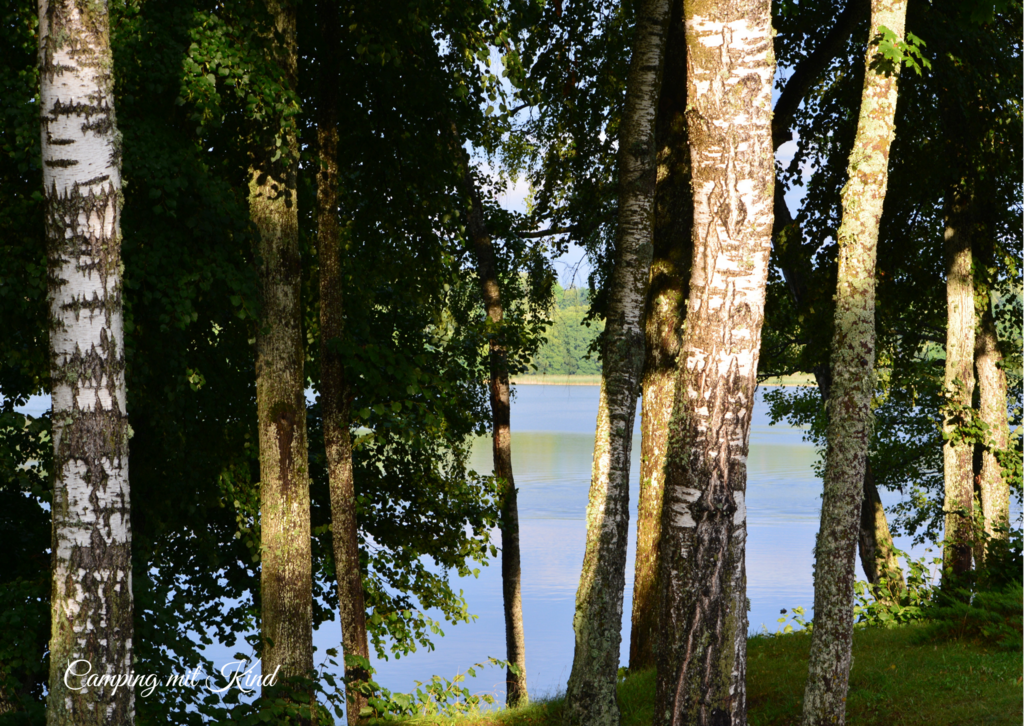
<point>552,446</point>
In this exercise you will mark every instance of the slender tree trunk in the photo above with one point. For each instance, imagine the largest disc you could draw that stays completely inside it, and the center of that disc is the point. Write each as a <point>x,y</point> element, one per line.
<point>91,596</point>
<point>335,395</point>
<point>286,578</point>
<point>501,447</point>
<point>958,455</point>
<point>874,540</point>
<point>702,650</point>
<point>994,490</point>
<point>590,698</point>
<point>663,321</point>
<point>853,365</point>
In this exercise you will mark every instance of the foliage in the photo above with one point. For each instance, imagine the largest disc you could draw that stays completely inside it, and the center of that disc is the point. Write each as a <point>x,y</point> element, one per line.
<point>437,697</point>
<point>878,606</point>
<point>985,606</point>
<point>570,337</point>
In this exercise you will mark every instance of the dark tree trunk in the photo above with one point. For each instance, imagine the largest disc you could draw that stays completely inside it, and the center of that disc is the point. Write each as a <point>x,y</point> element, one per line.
<point>501,447</point>
<point>334,390</point>
<point>663,321</point>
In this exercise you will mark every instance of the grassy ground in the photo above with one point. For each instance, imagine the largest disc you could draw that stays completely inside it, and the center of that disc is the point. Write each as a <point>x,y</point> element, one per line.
<point>895,681</point>
<point>799,379</point>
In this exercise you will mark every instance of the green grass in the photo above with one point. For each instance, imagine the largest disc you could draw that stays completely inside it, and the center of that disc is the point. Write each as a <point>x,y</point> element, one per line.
<point>797,379</point>
<point>895,681</point>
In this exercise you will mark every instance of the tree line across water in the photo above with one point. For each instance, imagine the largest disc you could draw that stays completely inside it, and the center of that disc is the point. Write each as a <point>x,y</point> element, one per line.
<point>296,195</point>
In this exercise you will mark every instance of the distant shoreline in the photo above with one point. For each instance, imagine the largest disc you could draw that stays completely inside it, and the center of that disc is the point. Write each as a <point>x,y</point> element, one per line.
<point>804,379</point>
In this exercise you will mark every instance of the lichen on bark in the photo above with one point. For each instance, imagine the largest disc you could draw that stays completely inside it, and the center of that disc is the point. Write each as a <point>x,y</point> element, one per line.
<point>285,554</point>
<point>852,384</point>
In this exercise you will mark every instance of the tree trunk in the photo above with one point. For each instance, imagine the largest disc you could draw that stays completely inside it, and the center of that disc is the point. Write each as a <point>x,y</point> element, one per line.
<point>853,379</point>
<point>702,650</point>
<point>958,385</point>
<point>994,490</point>
<point>877,551</point>
<point>91,596</point>
<point>286,577</point>
<point>335,395</point>
<point>663,322</point>
<point>590,698</point>
<point>501,447</point>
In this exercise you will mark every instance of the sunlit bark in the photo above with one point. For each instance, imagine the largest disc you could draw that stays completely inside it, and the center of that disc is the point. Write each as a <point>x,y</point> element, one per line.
<point>702,649</point>
<point>286,571</point>
<point>958,384</point>
<point>853,379</point>
<point>994,490</point>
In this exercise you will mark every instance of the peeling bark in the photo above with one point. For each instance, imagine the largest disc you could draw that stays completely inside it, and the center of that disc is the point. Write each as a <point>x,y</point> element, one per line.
<point>958,385</point>
<point>702,650</point>
<point>501,440</point>
<point>852,374</point>
<point>91,596</point>
<point>335,395</point>
<point>286,573</point>
<point>590,698</point>
<point>994,490</point>
<point>663,322</point>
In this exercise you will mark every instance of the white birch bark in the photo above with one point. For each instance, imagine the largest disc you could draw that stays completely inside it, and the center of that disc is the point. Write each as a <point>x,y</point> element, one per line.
<point>702,651</point>
<point>91,600</point>
<point>849,404</point>
<point>590,698</point>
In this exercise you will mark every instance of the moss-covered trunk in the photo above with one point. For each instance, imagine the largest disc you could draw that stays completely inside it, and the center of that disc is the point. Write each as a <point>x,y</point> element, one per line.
<point>590,698</point>
<point>335,396</point>
<point>501,440</point>
<point>853,379</point>
<point>91,596</point>
<point>702,649</point>
<point>663,321</point>
<point>286,571</point>
<point>958,387</point>
<point>994,490</point>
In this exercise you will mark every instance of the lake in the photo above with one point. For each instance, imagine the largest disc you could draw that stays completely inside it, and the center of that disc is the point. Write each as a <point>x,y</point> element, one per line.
<point>552,446</point>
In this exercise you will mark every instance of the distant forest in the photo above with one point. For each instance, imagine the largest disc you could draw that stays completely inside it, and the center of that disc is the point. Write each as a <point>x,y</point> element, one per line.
<point>569,338</point>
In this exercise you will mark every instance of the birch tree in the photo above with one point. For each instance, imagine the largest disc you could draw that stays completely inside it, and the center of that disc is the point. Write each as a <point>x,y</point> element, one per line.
<point>590,697</point>
<point>335,393</point>
<point>702,651</point>
<point>286,574</point>
<point>663,321</point>
<point>91,596</point>
<point>853,362</point>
